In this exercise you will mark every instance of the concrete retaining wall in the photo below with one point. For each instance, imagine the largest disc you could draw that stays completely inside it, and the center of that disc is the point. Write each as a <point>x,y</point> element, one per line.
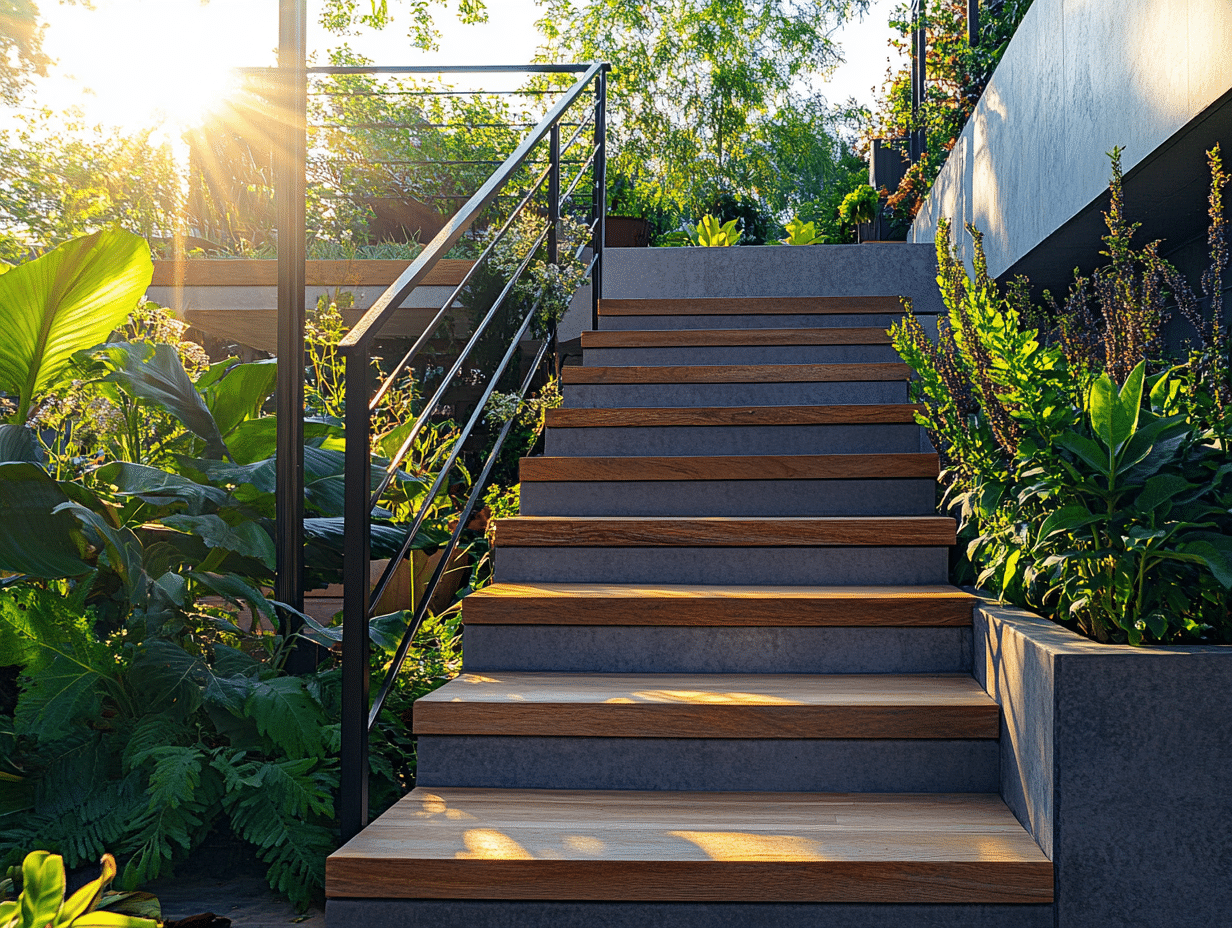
<point>1079,77</point>
<point>1117,760</point>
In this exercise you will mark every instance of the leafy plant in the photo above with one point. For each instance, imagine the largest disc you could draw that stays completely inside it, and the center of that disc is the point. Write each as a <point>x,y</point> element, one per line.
<point>802,233</point>
<point>859,206</point>
<point>69,299</point>
<point>41,903</point>
<point>708,233</point>
<point>1088,468</point>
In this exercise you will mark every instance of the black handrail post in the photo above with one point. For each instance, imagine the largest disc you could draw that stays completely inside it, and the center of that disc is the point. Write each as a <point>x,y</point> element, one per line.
<point>554,194</point>
<point>289,193</point>
<point>353,787</point>
<point>600,194</point>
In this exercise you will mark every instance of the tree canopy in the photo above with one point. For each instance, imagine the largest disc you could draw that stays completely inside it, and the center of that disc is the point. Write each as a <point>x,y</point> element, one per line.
<point>712,95</point>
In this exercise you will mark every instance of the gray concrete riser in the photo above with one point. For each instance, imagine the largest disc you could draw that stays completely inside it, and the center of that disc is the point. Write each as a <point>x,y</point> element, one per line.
<point>742,354</point>
<point>745,439</point>
<point>820,321</point>
<point>741,566</point>
<point>709,764</point>
<point>710,649</point>
<point>729,498</point>
<point>434,913</point>
<point>642,395</point>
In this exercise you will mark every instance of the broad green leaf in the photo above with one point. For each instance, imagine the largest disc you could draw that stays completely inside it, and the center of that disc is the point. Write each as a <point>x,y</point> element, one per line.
<point>233,589</point>
<point>155,374</point>
<point>18,443</point>
<point>69,299</point>
<point>240,394</point>
<point>120,546</point>
<point>1130,401</point>
<point>159,487</point>
<point>87,897</point>
<point>139,905</point>
<point>16,795</point>
<point>1086,451</point>
<point>1160,489</point>
<point>1217,561</point>
<point>248,539</point>
<point>1108,420</point>
<point>1066,519</point>
<point>42,877</point>
<point>37,540</point>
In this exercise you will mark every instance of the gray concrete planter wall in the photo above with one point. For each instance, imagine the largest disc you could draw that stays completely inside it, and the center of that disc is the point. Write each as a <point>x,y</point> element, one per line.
<point>1119,762</point>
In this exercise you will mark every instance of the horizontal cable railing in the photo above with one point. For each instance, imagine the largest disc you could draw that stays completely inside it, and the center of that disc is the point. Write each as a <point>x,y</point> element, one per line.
<point>575,110</point>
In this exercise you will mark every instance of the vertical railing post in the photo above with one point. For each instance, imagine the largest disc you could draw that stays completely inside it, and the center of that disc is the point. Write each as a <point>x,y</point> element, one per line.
<point>600,194</point>
<point>554,195</point>
<point>919,70</point>
<point>289,179</point>
<point>353,787</point>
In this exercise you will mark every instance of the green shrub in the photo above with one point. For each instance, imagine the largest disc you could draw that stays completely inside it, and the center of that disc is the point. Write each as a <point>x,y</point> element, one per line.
<point>1088,468</point>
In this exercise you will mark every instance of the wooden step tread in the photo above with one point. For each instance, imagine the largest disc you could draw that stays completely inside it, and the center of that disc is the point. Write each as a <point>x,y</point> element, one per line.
<point>754,306</point>
<point>454,843</point>
<point>584,705</point>
<point>739,373</point>
<point>892,465</point>
<point>713,338</point>
<point>717,416</point>
<point>669,605</point>
<point>720,531</point>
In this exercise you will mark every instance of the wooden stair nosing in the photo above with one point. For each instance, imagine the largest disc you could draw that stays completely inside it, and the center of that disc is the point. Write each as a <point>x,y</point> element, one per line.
<point>693,847</point>
<point>886,466</point>
<point>717,531</point>
<point>713,338</point>
<point>716,416</point>
<point>754,306</point>
<point>667,605</point>
<point>760,706</point>
<point>873,372</point>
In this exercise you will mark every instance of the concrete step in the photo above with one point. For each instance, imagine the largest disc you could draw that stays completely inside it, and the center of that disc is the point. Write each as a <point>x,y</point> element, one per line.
<point>777,765</point>
<point>458,844</point>
<point>739,485</point>
<point>738,346</point>
<point>721,649</point>
<point>622,628</point>
<point>750,313</point>
<point>733,430</point>
<point>795,551</point>
<point>736,385</point>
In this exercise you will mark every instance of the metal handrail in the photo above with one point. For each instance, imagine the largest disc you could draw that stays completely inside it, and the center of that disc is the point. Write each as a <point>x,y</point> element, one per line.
<point>356,347</point>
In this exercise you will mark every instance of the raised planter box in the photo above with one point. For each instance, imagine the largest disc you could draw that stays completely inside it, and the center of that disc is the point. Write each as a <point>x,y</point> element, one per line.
<point>237,299</point>
<point>1118,760</point>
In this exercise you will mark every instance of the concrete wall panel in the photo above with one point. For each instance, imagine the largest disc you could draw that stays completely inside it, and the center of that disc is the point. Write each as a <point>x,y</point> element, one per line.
<point>1079,77</point>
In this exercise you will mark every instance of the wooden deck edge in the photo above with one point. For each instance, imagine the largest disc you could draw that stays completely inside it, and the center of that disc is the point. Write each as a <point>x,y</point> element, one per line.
<point>532,611</point>
<point>723,416</point>
<point>246,272</point>
<point>640,720</point>
<point>838,531</point>
<point>980,882</point>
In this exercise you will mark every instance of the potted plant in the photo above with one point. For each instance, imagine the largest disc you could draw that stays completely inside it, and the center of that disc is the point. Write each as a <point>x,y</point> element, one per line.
<point>860,208</point>
<point>627,226</point>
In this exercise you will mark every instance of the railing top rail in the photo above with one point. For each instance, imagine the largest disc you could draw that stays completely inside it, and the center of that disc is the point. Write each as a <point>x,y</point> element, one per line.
<point>364,331</point>
<point>436,69</point>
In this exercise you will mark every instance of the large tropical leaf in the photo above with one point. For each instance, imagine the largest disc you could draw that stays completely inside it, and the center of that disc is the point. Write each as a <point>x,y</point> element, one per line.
<point>34,540</point>
<point>69,299</point>
<point>17,443</point>
<point>156,374</point>
<point>240,395</point>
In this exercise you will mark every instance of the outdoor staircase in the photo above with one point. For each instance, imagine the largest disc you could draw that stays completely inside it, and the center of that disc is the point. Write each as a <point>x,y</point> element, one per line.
<point>721,679</point>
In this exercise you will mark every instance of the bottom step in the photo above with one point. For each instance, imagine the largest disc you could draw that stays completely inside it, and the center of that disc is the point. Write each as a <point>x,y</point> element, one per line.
<point>637,846</point>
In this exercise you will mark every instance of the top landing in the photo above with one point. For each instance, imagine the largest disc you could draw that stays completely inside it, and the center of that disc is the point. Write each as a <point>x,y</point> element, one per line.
<point>890,269</point>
